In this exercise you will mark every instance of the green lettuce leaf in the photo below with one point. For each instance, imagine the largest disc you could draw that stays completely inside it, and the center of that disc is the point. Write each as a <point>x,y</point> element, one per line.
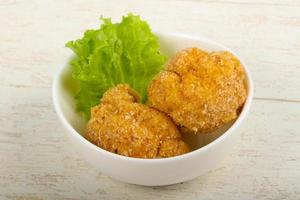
<point>125,52</point>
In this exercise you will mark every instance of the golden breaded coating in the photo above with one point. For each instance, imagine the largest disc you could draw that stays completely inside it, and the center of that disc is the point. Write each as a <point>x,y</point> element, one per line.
<point>121,125</point>
<point>200,91</point>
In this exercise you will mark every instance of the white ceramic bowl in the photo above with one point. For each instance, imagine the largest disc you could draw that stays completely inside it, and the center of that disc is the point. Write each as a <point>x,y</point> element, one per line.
<point>211,148</point>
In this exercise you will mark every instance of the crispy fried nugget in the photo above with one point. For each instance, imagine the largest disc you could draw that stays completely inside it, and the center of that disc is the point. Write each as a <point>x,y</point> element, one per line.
<point>200,91</point>
<point>121,125</point>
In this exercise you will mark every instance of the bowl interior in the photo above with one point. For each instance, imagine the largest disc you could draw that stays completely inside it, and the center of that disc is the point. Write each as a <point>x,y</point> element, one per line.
<point>170,44</point>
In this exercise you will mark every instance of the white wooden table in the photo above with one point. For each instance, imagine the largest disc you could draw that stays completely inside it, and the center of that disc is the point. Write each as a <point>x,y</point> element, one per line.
<point>36,159</point>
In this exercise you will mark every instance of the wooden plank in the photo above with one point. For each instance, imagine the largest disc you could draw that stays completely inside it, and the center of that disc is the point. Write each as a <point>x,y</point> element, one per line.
<point>280,3</point>
<point>266,37</point>
<point>263,164</point>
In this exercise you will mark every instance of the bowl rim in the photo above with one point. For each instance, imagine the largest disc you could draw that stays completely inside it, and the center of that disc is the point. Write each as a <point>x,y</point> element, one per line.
<point>72,132</point>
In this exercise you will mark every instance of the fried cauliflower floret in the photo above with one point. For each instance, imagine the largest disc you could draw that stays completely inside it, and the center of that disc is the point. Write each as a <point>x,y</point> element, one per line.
<point>121,125</point>
<point>200,91</point>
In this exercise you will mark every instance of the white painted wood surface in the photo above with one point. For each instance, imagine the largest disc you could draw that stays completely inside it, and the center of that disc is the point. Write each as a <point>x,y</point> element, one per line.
<point>36,159</point>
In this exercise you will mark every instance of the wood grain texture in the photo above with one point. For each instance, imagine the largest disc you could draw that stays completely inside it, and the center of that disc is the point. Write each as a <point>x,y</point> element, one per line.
<point>37,161</point>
